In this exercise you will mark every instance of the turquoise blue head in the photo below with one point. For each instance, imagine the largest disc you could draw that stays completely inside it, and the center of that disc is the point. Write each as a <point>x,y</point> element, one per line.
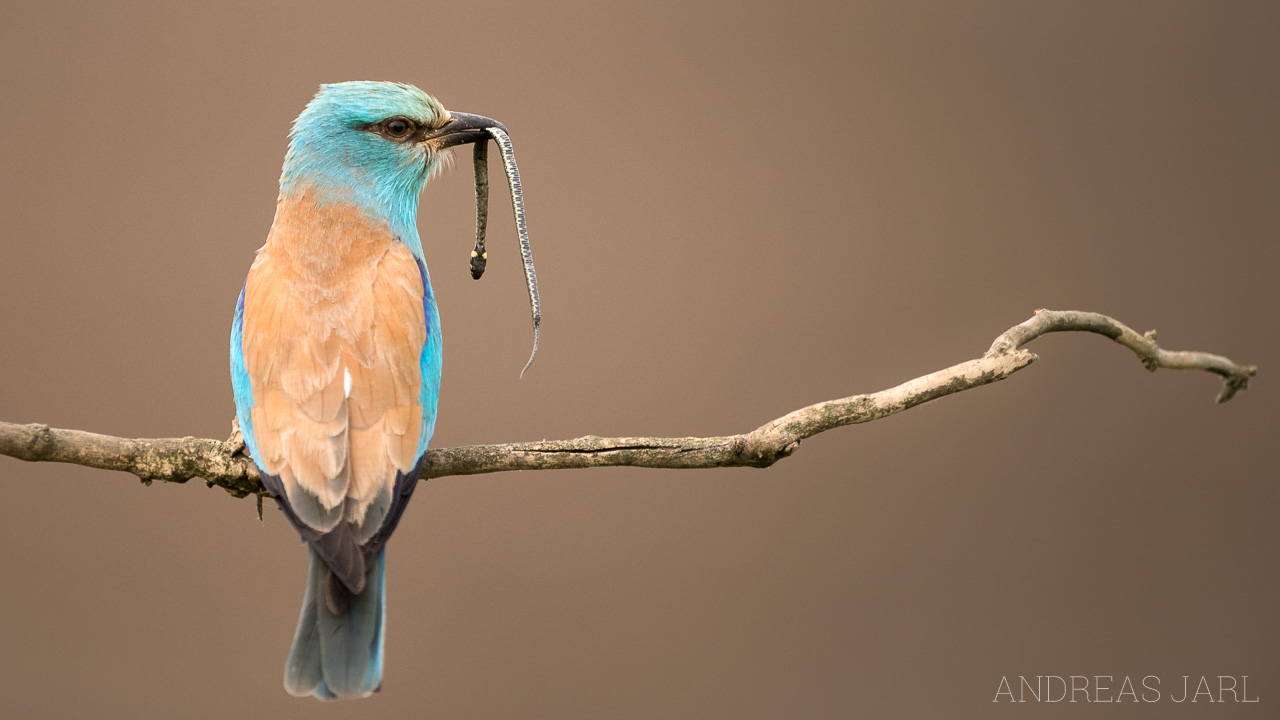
<point>374,144</point>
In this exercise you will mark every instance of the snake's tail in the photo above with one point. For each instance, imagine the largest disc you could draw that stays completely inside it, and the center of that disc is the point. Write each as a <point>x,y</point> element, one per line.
<point>517,203</point>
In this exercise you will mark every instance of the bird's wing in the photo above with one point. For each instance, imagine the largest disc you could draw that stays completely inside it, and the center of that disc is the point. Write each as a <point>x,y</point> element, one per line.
<point>241,386</point>
<point>429,394</point>
<point>387,407</point>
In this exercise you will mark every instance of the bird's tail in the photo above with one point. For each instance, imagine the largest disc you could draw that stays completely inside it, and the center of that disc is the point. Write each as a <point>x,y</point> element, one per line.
<point>337,649</point>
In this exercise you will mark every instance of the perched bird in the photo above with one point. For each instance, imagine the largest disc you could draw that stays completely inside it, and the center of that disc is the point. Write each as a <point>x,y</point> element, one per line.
<point>335,358</point>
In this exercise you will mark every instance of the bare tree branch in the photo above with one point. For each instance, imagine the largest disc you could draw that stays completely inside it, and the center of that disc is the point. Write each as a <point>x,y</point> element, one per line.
<point>225,464</point>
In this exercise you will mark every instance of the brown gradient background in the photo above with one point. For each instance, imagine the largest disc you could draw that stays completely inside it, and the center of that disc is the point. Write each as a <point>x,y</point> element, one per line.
<point>736,210</point>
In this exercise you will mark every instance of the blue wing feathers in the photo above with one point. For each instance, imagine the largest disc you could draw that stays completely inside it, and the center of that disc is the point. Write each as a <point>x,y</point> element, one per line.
<point>429,361</point>
<point>240,383</point>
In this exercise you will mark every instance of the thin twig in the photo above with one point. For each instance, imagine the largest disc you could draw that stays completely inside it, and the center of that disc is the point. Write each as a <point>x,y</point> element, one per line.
<point>225,464</point>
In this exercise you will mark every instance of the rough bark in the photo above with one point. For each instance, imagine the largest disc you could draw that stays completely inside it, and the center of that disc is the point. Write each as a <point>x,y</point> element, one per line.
<point>225,464</point>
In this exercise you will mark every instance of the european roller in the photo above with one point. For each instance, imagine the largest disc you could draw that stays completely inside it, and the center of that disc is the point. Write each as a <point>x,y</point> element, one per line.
<point>335,355</point>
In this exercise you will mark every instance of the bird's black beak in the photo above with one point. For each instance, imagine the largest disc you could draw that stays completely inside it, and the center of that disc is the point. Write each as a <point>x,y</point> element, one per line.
<point>461,129</point>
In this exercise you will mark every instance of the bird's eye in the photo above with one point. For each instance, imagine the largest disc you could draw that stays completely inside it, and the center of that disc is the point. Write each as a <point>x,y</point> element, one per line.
<point>397,128</point>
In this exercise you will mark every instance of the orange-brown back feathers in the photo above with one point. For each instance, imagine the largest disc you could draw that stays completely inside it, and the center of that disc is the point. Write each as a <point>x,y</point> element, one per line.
<point>332,335</point>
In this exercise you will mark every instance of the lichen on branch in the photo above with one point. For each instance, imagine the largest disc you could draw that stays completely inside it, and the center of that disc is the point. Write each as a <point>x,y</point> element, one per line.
<point>225,464</point>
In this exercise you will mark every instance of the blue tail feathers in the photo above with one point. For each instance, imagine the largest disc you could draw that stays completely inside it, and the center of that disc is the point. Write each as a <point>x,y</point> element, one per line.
<point>337,648</point>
